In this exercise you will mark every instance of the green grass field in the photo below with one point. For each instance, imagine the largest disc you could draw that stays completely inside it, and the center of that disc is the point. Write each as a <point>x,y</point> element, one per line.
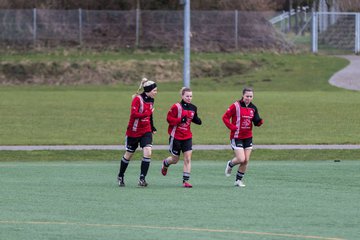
<point>81,200</point>
<point>35,117</point>
<point>216,155</point>
<point>73,194</point>
<point>291,92</point>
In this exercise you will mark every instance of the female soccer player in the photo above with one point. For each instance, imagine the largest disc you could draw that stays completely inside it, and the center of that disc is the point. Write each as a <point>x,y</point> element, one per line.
<point>179,118</point>
<point>140,130</point>
<point>239,118</point>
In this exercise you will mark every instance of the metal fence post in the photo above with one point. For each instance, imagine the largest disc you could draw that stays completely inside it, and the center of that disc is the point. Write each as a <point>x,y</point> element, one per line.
<point>137,27</point>
<point>283,22</point>
<point>186,80</point>
<point>34,26</point>
<point>357,33</point>
<point>314,35</point>
<point>80,26</point>
<point>236,29</point>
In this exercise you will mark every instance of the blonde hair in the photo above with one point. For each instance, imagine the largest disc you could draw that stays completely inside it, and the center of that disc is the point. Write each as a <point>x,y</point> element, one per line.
<point>183,90</point>
<point>144,82</point>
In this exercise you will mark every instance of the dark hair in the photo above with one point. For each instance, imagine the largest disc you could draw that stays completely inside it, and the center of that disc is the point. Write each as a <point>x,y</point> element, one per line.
<point>247,89</point>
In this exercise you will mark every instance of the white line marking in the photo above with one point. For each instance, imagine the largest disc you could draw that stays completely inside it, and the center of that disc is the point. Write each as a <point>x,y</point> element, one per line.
<point>169,228</point>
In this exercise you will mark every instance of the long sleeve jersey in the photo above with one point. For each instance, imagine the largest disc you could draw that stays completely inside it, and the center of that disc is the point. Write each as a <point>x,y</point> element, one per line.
<point>239,118</point>
<point>178,129</point>
<point>141,120</point>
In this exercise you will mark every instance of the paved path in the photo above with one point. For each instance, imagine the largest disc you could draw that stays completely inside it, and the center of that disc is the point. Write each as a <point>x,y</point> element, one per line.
<point>349,77</point>
<point>166,147</point>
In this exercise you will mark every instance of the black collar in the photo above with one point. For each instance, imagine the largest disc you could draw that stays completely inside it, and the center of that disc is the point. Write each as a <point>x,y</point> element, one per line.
<point>146,97</point>
<point>184,104</point>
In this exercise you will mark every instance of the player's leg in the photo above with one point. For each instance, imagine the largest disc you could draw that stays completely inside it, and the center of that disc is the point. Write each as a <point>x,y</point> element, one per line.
<point>239,156</point>
<point>187,169</point>
<point>247,144</point>
<point>146,144</point>
<point>174,149</point>
<point>131,145</point>
<point>186,147</point>
<point>173,159</point>
<point>244,164</point>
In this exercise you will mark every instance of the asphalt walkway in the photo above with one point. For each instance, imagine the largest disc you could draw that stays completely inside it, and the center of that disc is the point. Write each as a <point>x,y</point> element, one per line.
<point>349,77</point>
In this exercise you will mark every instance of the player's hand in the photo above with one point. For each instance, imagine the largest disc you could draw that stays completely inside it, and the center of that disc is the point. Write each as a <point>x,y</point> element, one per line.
<point>233,128</point>
<point>184,119</point>
<point>149,112</point>
<point>260,123</point>
<point>153,130</point>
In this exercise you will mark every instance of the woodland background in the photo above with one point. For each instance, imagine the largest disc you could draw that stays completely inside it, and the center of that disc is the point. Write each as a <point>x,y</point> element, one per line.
<point>253,5</point>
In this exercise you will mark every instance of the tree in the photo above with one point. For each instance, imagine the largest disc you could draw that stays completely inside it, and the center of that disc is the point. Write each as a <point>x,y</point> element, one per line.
<point>349,5</point>
<point>253,5</point>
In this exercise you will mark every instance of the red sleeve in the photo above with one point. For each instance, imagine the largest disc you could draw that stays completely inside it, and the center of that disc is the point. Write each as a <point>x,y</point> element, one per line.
<point>227,116</point>
<point>172,118</point>
<point>135,106</point>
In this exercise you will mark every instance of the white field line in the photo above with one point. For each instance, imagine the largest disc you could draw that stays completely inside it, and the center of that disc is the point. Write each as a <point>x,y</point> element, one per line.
<point>5,222</point>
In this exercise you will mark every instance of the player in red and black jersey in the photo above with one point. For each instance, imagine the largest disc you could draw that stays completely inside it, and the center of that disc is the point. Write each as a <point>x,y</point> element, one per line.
<point>240,118</point>
<point>140,130</point>
<point>180,117</point>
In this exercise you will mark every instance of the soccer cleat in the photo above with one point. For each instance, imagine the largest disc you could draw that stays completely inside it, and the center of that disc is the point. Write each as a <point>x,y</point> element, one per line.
<point>187,185</point>
<point>164,169</point>
<point>228,169</point>
<point>121,181</point>
<point>142,183</point>
<point>239,183</point>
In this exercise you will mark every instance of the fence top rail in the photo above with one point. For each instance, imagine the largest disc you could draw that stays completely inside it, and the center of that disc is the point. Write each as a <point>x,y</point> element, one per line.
<point>338,13</point>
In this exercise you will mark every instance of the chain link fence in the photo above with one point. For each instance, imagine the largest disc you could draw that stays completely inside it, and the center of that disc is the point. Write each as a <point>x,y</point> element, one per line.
<point>210,30</point>
<point>336,32</point>
<point>332,32</point>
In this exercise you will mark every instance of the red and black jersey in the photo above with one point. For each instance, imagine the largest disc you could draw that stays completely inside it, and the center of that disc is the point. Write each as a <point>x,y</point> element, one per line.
<point>239,118</point>
<point>179,118</point>
<point>140,121</point>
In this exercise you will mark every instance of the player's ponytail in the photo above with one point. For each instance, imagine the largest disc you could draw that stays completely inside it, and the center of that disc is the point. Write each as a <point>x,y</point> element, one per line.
<point>147,84</point>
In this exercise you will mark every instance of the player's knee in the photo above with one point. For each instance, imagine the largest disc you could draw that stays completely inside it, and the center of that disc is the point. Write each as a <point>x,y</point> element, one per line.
<point>187,160</point>
<point>239,160</point>
<point>245,161</point>
<point>128,155</point>
<point>175,159</point>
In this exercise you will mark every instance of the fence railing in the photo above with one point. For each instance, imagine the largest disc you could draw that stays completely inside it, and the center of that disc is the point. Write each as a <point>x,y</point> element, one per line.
<point>336,31</point>
<point>210,30</point>
<point>135,28</point>
<point>284,19</point>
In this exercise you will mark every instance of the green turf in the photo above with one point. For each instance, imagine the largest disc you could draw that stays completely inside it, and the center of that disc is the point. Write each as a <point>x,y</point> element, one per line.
<point>217,155</point>
<point>80,200</point>
<point>291,92</point>
<point>41,117</point>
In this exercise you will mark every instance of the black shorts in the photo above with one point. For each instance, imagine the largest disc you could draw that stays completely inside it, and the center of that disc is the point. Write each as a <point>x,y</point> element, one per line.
<point>132,143</point>
<point>175,146</point>
<point>241,143</point>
